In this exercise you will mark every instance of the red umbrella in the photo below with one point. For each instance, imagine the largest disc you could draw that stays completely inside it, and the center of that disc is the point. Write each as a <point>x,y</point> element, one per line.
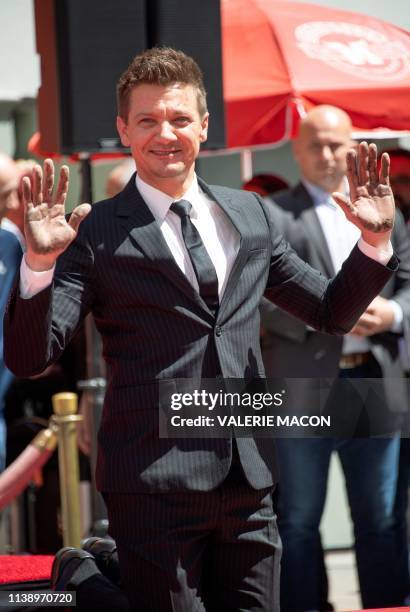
<point>35,146</point>
<point>280,58</point>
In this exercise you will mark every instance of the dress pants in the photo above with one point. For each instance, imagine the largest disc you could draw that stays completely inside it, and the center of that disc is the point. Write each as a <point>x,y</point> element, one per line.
<point>400,511</point>
<point>197,551</point>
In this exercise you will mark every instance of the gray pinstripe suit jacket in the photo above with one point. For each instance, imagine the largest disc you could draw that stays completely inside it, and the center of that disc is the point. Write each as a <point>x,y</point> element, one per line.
<point>154,325</point>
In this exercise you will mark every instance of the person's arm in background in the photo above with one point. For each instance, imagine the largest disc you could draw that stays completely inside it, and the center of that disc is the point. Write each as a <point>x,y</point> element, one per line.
<point>393,314</point>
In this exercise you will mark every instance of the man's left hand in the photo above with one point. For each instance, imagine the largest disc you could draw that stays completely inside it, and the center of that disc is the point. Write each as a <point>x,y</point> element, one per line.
<point>371,205</point>
<point>378,317</point>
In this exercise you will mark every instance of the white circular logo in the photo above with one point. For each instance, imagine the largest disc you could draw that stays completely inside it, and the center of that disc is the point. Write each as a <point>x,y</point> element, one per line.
<point>355,49</point>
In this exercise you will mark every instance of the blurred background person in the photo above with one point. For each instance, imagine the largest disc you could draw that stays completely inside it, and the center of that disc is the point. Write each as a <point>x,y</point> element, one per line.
<point>13,220</point>
<point>370,466</point>
<point>400,179</point>
<point>10,257</point>
<point>400,184</point>
<point>119,177</point>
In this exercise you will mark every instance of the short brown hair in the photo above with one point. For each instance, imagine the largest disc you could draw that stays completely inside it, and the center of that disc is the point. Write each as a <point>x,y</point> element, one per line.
<point>160,66</point>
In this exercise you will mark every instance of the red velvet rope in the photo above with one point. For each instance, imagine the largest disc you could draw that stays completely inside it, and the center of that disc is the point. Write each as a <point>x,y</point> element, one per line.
<point>18,474</point>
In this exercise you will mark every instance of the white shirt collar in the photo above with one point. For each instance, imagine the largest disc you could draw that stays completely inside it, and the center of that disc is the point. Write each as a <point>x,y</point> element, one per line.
<point>159,202</point>
<point>320,196</point>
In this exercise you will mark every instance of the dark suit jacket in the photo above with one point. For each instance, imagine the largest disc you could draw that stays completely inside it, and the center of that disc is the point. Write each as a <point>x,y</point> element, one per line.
<point>10,257</point>
<point>155,326</point>
<point>290,349</point>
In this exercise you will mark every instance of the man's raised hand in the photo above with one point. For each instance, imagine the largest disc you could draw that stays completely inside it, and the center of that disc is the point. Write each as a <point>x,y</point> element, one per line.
<point>46,229</point>
<point>371,204</point>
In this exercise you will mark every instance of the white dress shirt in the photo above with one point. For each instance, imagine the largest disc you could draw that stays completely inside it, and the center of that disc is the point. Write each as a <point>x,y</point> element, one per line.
<point>341,236</point>
<point>218,234</point>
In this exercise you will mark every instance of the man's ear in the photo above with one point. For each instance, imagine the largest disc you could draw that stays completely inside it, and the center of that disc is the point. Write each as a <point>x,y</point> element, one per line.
<point>204,128</point>
<point>122,128</point>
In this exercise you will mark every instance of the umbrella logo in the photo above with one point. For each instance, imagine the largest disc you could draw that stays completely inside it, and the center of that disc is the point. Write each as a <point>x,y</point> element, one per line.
<point>355,49</point>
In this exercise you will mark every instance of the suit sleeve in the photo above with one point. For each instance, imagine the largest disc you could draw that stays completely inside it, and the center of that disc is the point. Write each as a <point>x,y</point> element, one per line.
<point>331,306</point>
<point>37,330</point>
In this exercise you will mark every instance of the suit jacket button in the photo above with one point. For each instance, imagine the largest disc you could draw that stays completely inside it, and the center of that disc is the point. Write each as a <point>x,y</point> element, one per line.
<point>218,331</point>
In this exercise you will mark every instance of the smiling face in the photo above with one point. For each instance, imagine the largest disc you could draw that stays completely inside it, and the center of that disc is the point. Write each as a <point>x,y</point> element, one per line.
<point>164,130</point>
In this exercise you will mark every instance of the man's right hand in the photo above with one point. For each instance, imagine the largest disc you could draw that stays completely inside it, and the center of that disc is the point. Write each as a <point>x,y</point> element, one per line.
<point>377,318</point>
<point>46,229</point>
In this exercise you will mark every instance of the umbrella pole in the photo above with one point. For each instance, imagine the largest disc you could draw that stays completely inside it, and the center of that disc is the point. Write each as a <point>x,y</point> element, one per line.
<point>246,165</point>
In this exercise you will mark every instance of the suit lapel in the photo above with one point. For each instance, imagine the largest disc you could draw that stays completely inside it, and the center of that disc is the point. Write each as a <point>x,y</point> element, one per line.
<point>143,229</point>
<point>311,224</point>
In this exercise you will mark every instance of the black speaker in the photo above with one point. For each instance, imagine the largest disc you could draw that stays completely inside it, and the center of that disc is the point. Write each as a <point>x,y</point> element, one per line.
<point>194,26</point>
<point>85,46</point>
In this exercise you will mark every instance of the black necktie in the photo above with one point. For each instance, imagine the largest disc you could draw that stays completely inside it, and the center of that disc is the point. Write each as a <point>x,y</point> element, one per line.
<point>201,262</point>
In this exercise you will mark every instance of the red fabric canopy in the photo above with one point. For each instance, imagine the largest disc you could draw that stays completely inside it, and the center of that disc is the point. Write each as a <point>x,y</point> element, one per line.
<point>280,58</point>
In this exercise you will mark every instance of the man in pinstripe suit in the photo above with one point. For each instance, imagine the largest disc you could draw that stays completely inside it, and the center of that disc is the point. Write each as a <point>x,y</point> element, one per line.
<point>192,518</point>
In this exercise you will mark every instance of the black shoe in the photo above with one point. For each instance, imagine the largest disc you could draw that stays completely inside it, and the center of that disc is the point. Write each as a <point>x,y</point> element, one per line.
<point>76,570</point>
<point>66,563</point>
<point>104,550</point>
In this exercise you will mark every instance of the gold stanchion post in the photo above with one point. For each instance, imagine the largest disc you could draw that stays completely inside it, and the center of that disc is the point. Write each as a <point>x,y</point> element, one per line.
<point>65,417</point>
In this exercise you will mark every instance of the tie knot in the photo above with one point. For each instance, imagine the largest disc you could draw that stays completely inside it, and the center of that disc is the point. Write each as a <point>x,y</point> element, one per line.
<point>182,208</point>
